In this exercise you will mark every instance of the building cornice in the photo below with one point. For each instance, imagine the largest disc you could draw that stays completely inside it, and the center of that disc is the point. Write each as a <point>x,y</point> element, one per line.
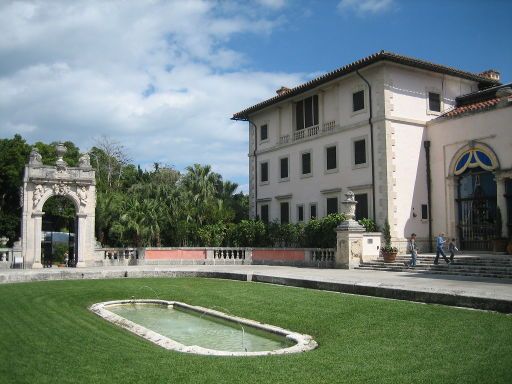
<point>382,56</point>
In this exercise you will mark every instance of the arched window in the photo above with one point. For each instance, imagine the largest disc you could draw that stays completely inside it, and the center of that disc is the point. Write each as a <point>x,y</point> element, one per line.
<point>474,158</point>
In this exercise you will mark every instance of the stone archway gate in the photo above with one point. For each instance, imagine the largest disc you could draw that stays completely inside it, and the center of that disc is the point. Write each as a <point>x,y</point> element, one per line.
<point>41,182</point>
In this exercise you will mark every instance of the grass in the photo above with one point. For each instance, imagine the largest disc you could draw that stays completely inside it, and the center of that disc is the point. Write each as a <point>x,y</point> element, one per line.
<point>47,335</point>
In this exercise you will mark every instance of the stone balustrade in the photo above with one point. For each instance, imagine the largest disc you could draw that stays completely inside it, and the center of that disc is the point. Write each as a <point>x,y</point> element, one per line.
<point>307,132</point>
<point>229,253</point>
<point>313,257</point>
<point>120,253</point>
<point>10,258</point>
<point>322,254</point>
<point>5,254</point>
<point>284,139</point>
<point>329,126</point>
<point>298,135</point>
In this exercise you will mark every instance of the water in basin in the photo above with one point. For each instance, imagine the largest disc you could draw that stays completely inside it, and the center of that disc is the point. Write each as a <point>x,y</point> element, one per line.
<point>191,328</point>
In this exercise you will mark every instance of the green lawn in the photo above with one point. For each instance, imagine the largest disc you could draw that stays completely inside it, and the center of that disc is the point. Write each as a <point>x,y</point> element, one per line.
<point>47,335</point>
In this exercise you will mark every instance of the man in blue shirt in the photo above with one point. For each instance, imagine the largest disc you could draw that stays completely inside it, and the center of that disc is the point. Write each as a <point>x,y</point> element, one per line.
<point>439,248</point>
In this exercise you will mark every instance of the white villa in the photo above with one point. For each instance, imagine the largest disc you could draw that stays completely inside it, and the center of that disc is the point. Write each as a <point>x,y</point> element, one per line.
<point>426,146</point>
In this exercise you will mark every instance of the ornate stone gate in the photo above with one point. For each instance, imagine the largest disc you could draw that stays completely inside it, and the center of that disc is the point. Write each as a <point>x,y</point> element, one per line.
<point>41,182</point>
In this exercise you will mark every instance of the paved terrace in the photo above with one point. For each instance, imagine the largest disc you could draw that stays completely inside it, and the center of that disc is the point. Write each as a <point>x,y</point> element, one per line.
<point>480,293</point>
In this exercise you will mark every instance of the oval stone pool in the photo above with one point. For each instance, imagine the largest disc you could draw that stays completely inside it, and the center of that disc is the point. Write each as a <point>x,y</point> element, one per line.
<point>185,328</point>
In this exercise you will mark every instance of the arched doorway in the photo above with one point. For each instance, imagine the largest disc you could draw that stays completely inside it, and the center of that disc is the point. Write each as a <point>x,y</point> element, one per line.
<point>59,237</point>
<point>75,184</point>
<point>476,193</point>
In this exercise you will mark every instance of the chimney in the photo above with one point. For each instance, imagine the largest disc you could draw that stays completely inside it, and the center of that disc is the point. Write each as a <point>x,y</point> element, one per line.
<point>491,74</point>
<point>282,90</point>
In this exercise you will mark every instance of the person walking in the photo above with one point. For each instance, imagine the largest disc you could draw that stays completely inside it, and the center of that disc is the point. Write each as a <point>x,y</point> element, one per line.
<point>413,249</point>
<point>439,249</point>
<point>452,247</point>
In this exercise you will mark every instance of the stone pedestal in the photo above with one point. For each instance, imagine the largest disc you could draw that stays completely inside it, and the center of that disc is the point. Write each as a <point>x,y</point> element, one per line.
<point>349,236</point>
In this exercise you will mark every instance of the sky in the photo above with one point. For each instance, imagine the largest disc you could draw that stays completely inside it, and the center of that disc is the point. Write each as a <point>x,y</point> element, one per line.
<point>163,78</point>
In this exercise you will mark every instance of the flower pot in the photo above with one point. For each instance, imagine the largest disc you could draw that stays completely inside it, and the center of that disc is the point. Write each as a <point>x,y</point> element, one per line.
<point>389,257</point>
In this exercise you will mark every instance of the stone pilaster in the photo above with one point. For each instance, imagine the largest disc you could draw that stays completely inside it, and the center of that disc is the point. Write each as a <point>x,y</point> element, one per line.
<point>36,246</point>
<point>502,203</point>
<point>252,171</point>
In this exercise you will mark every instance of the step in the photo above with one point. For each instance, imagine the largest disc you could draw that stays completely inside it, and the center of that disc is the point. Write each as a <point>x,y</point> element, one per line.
<point>462,259</point>
<point>439,272</point>
<point>443,267</point>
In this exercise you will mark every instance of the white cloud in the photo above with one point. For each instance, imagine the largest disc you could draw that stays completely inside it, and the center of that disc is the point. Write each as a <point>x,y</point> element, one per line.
<point>159,76</point>
<point>363,7</point>
<point>275,4</point>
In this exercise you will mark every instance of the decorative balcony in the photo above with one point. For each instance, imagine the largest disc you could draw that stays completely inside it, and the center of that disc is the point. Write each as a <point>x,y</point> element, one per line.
<point>315,130</point>
<point>329,126</point>
<point>307,132</point>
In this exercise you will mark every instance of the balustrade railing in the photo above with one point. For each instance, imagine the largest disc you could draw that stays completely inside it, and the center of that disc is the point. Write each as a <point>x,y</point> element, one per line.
<point>120,253</point>
<point>284,139</point>
<point>329,126</point>
<point>298,135</point>
<point>229,253</point>
<point>323,254</point>
<point>307,132</point>
<point>5,254</point>
<point>312,131</point>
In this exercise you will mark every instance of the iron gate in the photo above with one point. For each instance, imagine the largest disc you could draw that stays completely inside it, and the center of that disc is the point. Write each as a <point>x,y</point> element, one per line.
<point>477,212</point>
<point>476,223</point>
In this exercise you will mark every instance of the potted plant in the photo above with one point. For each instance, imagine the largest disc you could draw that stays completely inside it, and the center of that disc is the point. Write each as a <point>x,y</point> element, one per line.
<point>499,243</point>
<point>388,252</point>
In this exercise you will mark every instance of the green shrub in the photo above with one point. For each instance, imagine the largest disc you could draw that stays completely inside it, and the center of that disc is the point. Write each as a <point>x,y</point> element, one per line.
<point>320,233</point>
<point>247,233</point>
<point>212,235</point>
<point>369,225</point>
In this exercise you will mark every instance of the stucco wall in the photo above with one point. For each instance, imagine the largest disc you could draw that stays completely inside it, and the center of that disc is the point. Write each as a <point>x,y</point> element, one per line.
<point>411,186</point>
<point>175,254</point>
<point>410,89</point>
<point>493,128</point>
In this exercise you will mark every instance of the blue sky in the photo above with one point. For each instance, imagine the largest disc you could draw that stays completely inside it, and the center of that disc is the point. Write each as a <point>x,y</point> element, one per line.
<point>164,77</point>
<point>473,35</point>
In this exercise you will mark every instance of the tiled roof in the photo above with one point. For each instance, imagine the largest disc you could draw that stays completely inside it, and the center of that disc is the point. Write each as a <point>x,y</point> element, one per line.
<point>471,108</point>
<point>356,65</point>
<point>474,102</point>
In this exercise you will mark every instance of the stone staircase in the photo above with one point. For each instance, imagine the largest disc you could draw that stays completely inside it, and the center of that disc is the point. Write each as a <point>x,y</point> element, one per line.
<point>496,266</point>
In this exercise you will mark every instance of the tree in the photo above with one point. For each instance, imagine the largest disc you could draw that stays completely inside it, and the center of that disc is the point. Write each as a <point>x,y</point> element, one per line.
<point>14,155</point>
<point>109,158</point>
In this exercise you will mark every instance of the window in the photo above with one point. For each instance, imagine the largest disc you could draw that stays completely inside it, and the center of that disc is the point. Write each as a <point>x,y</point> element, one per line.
<point>306,163</point>
<point>300,212</point>
<point>358,101</point>
<point>424,211</point>
<point>332,205</point>
<point>362,206</point>
<point>360,152</point>
<point>306,112</point>
<point>331,162</point>
<point>285,213</point>
<point>264,213</point>
<point>434,102</point>
<point>264,172</point>
<point>312,211</point>
<point>283,165</point>
<point>264,132</point>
